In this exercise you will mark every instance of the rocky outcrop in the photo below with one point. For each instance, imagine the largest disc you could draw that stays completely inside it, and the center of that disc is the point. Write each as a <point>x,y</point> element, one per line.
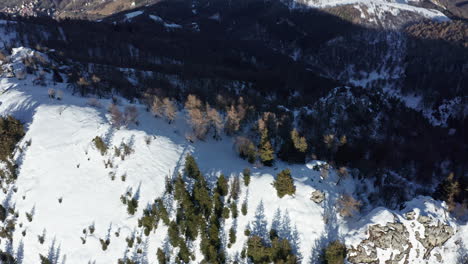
<point>317,196</point>
<point>434,235</point>
<point>394,237</point>
<point>391,236</point>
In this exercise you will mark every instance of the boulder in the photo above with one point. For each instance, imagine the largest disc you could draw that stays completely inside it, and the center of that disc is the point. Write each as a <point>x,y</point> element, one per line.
<point>317,196</point>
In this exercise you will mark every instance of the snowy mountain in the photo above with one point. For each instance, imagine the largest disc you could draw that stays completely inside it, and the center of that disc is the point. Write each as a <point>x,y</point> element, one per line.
<point>214,131</point>
<point>67,196</point>
<point>371,12</point>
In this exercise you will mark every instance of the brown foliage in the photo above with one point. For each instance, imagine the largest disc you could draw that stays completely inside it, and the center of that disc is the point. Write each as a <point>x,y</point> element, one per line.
<point>348,206</point>
<point>170,110</point>
<point>130,115</point>
<point>117,118</point>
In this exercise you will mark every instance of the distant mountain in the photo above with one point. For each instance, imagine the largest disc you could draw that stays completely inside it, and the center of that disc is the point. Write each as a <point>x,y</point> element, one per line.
<point>365,11</point>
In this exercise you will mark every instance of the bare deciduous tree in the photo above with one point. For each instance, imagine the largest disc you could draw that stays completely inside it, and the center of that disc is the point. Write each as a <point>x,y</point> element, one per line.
<point>192,103</point>
<point>216,121</point>
<point>130,115</point>
<point>170,110</point>
<point>232,121</point>
<point>199,123</point>
<point>348,206</point>
<point>241,109</point>
<point>116,116</point>
<point>157,107</point>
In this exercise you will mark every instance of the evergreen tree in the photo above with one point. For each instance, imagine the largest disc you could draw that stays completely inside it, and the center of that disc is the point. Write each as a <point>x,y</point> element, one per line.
<point>246,174</point>
<point>161,256</point>
<point>278,252</point>
<point>232,235</point>
<point>201,195</point>
<point>233,208</point>
<point>161,211</point>
<point>235,188</point>
<point>265,149</point>
<point>222,185</point>
<point>244,208</point>
<point>284,184</point>
<point>173,233</point>
<point>335,253</point>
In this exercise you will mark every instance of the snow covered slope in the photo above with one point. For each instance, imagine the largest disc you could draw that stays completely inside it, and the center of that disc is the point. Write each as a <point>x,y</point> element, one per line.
<point>65,187</point>
<point>385,13</point>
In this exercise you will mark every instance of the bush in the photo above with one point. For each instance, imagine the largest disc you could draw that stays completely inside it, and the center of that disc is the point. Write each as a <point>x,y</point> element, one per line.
<point>104,243</point>
<point>132,206</point>
<point>284,184</point>
<point>334,253</point>
<point>100,145</point>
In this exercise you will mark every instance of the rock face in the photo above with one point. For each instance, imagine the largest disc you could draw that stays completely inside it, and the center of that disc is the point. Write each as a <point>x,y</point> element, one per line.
<point>434,235</point>
<point>394,238</point>
<point>317,196</point>
<point>391,236</point>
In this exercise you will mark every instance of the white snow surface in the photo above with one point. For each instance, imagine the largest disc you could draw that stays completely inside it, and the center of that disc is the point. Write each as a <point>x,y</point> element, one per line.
<point>379,7</point>
<point>62,162</point>
<point>168,25</point>
<point>133,14</point>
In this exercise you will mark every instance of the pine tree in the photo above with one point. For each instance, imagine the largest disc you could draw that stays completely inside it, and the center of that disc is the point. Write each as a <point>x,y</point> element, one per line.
<point>173,233</point>
<point>284,184</point>
<point>222,185</point>
<point>234,210</point>
<point>191,167</point>
<point>232,235</point>
<point>201,195</point>
<point>265,149</point>
<point>161,256</point>
<point>335,253</point>
<point>235,188</point>
<point>244,208</point>
<point>246,174</point>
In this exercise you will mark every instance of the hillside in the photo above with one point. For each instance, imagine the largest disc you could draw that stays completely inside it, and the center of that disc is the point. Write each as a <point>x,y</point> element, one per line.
<point>65,188</point>
<point>215,131</point>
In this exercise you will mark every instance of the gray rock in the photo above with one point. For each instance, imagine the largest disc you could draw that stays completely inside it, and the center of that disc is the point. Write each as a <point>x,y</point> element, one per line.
<point>434,236</point>
<point>410,215</point>
<point>390,236</point>
<point>317,196</point>
<point>424,219</point>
